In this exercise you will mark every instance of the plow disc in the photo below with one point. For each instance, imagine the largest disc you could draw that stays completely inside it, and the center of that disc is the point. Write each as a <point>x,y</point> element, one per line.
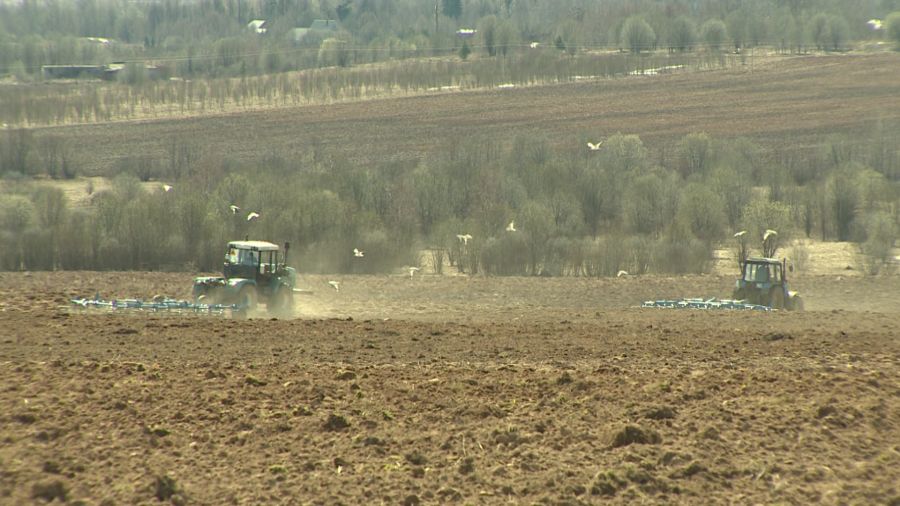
<point>712,303</point>
<point>167,305</point>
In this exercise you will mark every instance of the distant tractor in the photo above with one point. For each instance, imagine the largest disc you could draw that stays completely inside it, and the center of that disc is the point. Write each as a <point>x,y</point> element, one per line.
<point>764,281</point>
<point>254,271</point>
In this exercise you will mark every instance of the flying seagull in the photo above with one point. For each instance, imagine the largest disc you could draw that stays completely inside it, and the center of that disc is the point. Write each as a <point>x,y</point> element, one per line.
<point>769,233</point>
<point>874,24</point>
<point>464,238</point>
<point>336,285</point>
<point>167,187</point>
<point>741,233</point>
<point>234,208</point>
<point>358,253</point>
<point>621,274</point>
<point>412,271</point>
<point>594,147</point>
<point>252,215</point>
<point>511,227</point>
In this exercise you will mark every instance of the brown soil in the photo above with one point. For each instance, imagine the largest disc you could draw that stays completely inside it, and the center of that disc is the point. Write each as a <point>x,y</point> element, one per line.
<point>451,389</point>
<point>790,104</point>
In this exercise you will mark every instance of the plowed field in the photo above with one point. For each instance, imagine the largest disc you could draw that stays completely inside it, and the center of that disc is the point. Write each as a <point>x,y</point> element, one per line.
<point>787,104</point>
<point>449,389</point>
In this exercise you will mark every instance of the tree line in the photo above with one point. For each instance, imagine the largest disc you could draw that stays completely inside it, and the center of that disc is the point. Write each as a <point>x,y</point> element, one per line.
<point>85,102</point>
<point>211,38</point>
<point>575,212</point>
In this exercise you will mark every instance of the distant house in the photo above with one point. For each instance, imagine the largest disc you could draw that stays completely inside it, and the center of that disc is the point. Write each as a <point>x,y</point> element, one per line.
<point>73,71</point>
<point>322,26</point>
<point>106,72</point>
<point>298,34</point>
<point>258,26</point>
<point>103,41</point>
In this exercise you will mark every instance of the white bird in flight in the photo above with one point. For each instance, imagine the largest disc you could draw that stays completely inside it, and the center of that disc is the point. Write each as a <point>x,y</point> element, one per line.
<point>511,227</point>
<point>594,147</point>
<point>741,233</point>
<point>234,208</point>
<point>336,285</point>
<point>252,215</point>
<point>413,270</point>
<point>769,233</point>
<point>167,187</point>
<point>874,24</point>
<point>621,274</point>
<point>358,253</point>
<point>464,238</point>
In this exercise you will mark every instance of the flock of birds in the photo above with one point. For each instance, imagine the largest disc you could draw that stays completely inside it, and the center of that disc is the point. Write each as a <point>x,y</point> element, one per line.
<point>358,253</point>
<point>252,215</point>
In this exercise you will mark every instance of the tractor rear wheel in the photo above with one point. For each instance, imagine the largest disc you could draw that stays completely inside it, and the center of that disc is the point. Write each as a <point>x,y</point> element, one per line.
<point>247,297</point>
<point>776,298</point>
<point>282,301</point>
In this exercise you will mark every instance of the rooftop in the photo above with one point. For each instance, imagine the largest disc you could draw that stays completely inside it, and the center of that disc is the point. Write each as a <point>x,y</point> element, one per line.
<point>253,245</point>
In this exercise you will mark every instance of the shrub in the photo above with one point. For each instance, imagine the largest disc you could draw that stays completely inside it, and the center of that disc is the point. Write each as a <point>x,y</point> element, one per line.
<point>892,28</point>
<point>876,250</point>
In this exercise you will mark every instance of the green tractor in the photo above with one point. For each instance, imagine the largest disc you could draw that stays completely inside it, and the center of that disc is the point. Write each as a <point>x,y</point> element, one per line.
<point>764,281</point>
<point>254,271</point>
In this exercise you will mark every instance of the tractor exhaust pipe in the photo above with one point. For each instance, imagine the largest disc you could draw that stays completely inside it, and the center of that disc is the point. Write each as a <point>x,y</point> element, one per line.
<point>287,247</point>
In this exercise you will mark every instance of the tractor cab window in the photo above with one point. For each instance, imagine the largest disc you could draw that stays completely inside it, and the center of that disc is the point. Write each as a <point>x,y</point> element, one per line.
<point>268,262</point>
<point>231,256</point>
<point>248,257</point>
<point>756,273</point>
<point>762,273</point>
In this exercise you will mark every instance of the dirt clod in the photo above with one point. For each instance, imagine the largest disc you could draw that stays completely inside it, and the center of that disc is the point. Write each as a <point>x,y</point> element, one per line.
<point>254,381</point>
<point>50,491</point>
<point>336,423</point>
<point>417,459</point>
<point>660,413</point>
<point>467,466</point>
<point>632,434</point>
<point>346,376</point>
<point>164,487</point>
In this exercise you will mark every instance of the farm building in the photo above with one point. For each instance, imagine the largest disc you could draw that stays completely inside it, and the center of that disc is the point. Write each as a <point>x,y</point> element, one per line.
<point>258,26</point>
<point>106,72</point>
<point>74,71</point>
<point>323,26</point>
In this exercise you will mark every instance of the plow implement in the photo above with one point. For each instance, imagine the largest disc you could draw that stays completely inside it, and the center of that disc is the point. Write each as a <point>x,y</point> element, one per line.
<point>698,303</point>
<point>166,305</point>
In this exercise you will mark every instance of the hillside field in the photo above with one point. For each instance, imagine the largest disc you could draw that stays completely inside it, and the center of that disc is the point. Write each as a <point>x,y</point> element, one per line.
<point>789,104</point>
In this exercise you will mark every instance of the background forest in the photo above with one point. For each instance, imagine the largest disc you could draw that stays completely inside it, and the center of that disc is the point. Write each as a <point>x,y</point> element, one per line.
<point>627,207</point>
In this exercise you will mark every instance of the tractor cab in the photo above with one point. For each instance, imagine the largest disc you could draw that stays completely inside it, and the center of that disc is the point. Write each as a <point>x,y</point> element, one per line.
<point>764,281</point>
<point>763,272</point>
<point>256,260</point>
